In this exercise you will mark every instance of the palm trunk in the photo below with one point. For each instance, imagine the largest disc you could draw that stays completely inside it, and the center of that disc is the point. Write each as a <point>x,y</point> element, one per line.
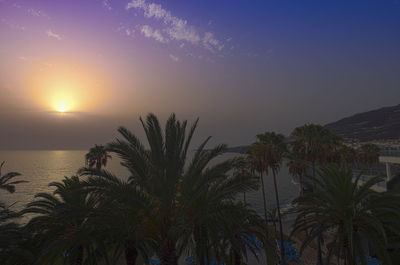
<point>279,219</point>
<point>168,253</point>
<point>313,169</point>
<point>274,222</point>
<point>236,258</point>
<point>348,259</point>
<point>265,206</point>
<point>79,257</point>
<point>319,262</point>
<point>319,254</point>
<point>131,254</point>
<point>301,184</point>
<point>265,215</point>
<point>202,260</point>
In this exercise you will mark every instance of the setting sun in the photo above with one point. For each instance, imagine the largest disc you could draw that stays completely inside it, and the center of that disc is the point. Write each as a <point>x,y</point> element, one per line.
<point>62,108</point>
<point>66,87</point>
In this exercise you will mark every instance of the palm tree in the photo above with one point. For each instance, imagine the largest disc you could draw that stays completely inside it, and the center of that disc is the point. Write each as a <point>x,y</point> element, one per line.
<point>62,221</point>
<point>347,155</point>
<point>126,211</point>
<point>176,188</point>
<point>11,234</point>
<point>353,211</point>
<point>5,183</point>
<point>275,147</point>
<point>273,215</point>
<point>314,143</point>
<point>368,155</point>
<point>97,156</point>
<point>210,211</point>
<point>243,169</point>
<point>256,163</point>
<point>297,166</point>
<point>235,237</point>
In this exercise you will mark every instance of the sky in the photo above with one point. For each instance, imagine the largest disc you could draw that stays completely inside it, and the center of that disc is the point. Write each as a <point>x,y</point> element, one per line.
<point>72,71</point>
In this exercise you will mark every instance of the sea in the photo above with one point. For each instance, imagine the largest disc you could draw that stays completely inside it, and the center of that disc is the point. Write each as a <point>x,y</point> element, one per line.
<point>40,168</point>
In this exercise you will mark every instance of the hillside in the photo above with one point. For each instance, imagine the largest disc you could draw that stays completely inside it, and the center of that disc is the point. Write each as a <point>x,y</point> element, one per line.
<point>380,124</point>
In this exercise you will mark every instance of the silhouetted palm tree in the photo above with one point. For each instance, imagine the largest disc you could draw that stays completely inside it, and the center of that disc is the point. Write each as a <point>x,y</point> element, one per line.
<point>176,188</point>
<point>347,155</point>
<point>11,234</point>
<point>352,211</point>
<point>256,162</point>
<point>209,209</point>
<point>126,210</point>
<point>62,221</point>
<point>368,155</point>
<point>314,143</point>
<point>297,166</point>
<point>275,147</point>
<point>243,169</point>
<point>97,156</point>
<point>5,183</point>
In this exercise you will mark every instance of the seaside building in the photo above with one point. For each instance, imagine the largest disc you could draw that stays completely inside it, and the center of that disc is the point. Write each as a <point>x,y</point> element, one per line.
<point>389,167</point>
<point>391,159</point>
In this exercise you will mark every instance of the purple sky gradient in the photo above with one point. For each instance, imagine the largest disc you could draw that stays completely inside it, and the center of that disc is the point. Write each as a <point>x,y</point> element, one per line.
<point>243,67</point>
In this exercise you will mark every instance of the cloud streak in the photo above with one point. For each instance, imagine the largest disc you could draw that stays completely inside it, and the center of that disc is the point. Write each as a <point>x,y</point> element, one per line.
<point>175,28</point>
<point>52,34</point>
<point>149,32</point>
<point>174,58</point>
<point>37,13</point>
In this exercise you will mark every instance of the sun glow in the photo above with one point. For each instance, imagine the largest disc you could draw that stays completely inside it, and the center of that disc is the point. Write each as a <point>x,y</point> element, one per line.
<point>62,108</point>
<point>66,88</point>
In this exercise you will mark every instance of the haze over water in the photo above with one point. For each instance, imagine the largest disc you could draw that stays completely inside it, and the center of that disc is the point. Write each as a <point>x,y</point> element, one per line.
<point>71,72</point>
<point>42,167</point>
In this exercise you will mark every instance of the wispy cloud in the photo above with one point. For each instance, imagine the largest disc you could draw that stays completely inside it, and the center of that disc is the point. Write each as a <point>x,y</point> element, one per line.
<point>149,32</point>
<point>129,32</point>
<point>175,28</point>
<point>52,34</point>
<point>13,26</point>
<point>37,13</point>
<point>106,4</point>
<point>211,43</point>
<point>174,58</point>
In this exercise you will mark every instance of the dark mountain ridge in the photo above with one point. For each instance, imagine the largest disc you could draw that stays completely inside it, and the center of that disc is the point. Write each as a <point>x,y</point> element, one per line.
<point>379,124</point>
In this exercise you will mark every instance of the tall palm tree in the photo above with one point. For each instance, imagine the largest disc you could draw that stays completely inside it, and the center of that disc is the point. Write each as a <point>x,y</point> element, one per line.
<point>234,240</point>
<point>97,156</point>
<point>210,211</point>
<point>297,166</point>
<point>163,174</point>
<point>353,211</point>
<point>126,210</point>
<point>275,147</point>
<point>5,183</point>
<point>315,144</point>
<point>368,155</point>
<point>11,234</point>
<point>11,239</point>
<point>347,155</point>
<point>244,170</point>
<point>256,163</point>
<point>62,221</point>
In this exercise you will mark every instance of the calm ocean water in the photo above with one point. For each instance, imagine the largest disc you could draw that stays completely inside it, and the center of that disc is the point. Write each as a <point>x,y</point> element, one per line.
<point>42,167</point>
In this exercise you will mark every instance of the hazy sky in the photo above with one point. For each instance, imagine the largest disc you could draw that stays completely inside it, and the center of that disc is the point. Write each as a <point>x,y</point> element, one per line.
<point>242,66</point>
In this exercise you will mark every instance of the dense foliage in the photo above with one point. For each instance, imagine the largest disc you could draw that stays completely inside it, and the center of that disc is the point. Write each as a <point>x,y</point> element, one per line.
<point>177,203</point>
